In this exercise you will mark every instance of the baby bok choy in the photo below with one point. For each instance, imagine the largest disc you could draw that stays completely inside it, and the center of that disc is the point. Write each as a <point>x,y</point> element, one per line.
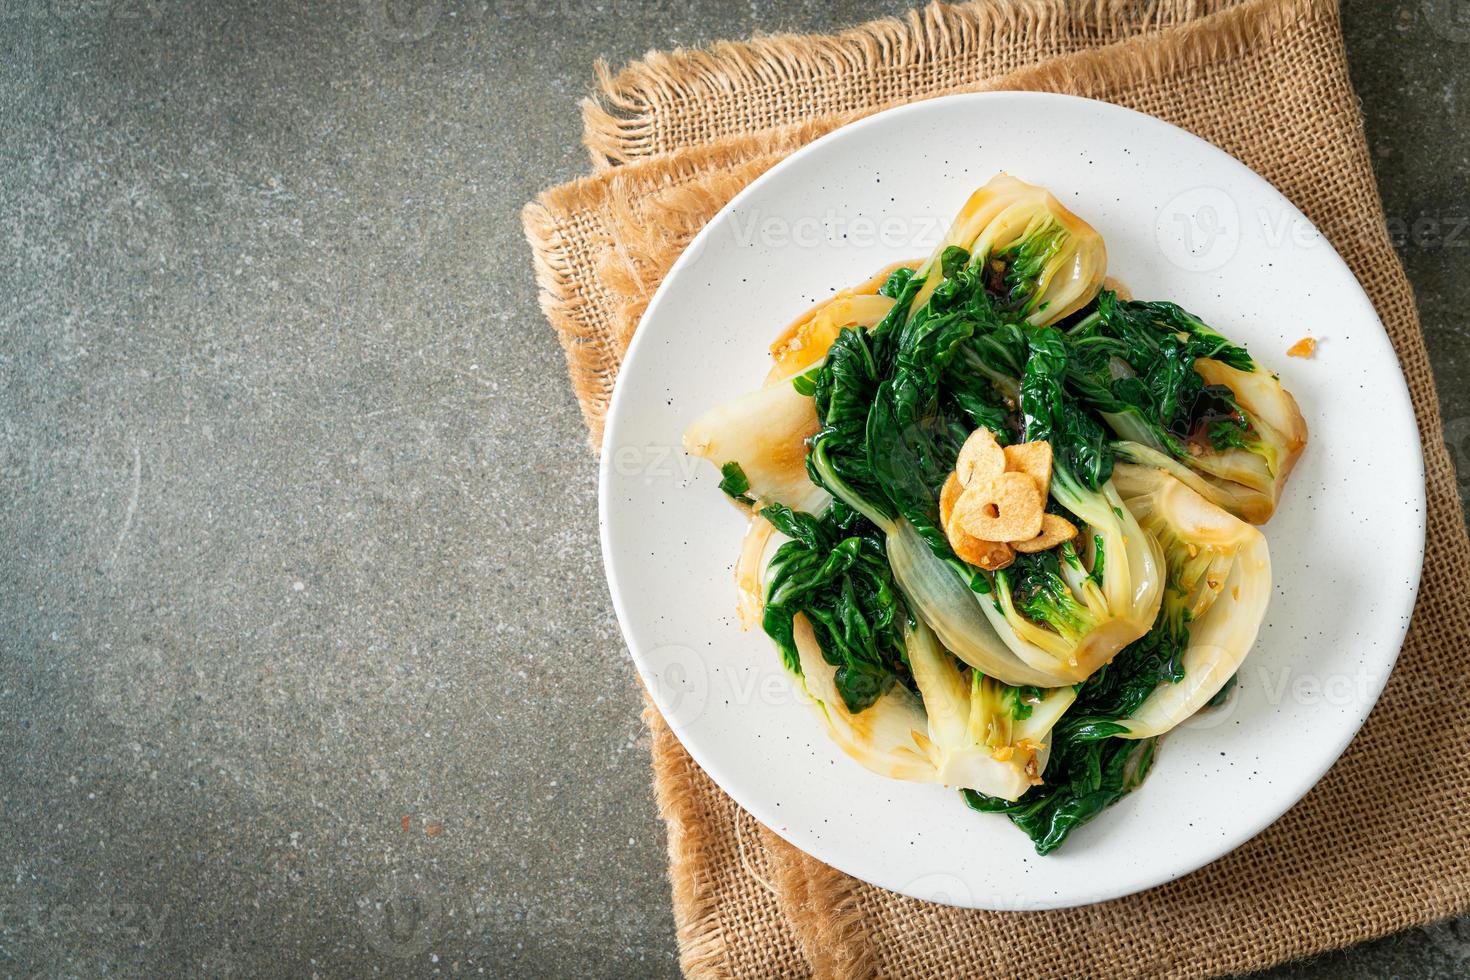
<point>889,436</point>
<point>1183,398</point>
<point>1219,582</point>
<point>759,442</point>
<point>1039,262</point>
<point>1068,612</point>
<point>834,572</point>
<point>805,342</point>
<point>962,730</point>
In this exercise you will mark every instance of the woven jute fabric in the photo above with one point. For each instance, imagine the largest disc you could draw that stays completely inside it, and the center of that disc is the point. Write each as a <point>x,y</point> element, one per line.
<point>1380,844</point>
<point>672,101</point>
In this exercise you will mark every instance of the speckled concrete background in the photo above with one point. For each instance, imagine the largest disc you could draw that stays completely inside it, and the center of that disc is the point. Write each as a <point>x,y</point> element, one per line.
<point>301,609</point>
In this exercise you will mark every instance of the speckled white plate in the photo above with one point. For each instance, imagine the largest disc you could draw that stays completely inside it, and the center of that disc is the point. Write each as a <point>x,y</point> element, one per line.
<point>1183,221</point>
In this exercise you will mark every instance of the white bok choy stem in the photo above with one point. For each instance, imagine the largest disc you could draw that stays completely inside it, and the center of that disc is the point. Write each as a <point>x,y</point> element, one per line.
<point>956,613</point>
<point>1219,588</point>
<point>964,733</point>
<point>1114,612</point>
<point>748,568</point>
<point>806,342</point>
<point>1235,498</point>
<point>765,431</point>
<point>990,634</point>
<point>880,738</point>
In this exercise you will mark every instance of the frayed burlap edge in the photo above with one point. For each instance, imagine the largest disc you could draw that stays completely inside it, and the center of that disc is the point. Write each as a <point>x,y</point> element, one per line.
<point>821,904</point>
<point>625,119</point>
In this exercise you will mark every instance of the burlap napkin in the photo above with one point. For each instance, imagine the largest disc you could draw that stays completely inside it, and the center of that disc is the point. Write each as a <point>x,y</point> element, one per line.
<point>1379,845</point>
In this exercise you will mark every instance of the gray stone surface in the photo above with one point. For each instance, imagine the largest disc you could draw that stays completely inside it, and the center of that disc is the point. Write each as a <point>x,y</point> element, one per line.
<point>301,607</point>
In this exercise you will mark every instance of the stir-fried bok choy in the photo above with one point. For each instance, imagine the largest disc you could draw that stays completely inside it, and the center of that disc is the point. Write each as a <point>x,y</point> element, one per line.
<point>1014,512</point>
<point>1181,397</point>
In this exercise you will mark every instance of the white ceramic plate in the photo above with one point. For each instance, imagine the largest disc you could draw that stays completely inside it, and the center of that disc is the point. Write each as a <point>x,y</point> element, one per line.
<point>1182,221</point>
